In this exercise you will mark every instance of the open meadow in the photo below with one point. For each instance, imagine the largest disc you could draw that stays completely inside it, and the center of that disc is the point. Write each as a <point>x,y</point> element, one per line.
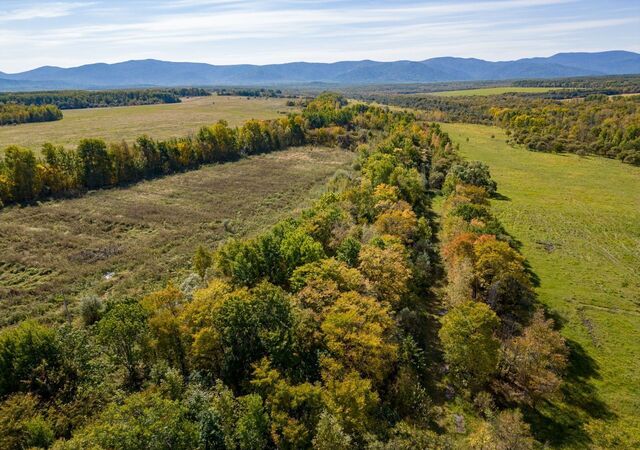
<point>578,220</point>
<point>493,91</point>
<point>128,122</point>
<point>130,240</point>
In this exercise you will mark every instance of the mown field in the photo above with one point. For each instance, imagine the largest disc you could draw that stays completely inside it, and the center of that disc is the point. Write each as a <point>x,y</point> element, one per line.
<point>129,240</point>
<point>578,220</point>
<point>129,122</point>
<point>492,91</point>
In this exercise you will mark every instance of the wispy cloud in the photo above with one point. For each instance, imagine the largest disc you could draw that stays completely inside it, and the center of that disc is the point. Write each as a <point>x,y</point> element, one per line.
<point>44,11</point>
<point>232,31</point>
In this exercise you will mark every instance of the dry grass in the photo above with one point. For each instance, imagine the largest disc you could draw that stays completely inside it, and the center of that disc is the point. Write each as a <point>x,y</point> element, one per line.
<point>147,232</point>
<point>129,122</point>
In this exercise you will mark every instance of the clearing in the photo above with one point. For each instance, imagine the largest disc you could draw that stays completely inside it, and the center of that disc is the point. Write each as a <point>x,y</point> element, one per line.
<point>578,219</point>
<point>127,241</point>
<point>128,122</point>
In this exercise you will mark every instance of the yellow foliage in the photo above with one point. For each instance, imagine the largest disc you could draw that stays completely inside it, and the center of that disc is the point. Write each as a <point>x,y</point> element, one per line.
<point>387,270</point>
<point>359,335</point>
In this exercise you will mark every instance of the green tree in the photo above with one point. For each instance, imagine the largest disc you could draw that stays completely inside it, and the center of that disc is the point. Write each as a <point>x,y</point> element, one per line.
<point>22,424</point>
<point>124,332</point>
<point>95,163</point>
<point>330,435</point>
<point>252,428</point>
<point>29,358</point>
<point>20,167</point>
<point>469,343</point>
<point>144,420</point>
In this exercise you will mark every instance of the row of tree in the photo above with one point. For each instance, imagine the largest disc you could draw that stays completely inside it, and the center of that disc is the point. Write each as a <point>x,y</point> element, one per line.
<point>94,164</point>
<point>99,99</point>
<point>499,347</point>
<point>13,114</point>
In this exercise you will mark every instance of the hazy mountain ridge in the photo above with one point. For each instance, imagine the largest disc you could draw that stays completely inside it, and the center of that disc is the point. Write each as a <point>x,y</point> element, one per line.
<point>163,73</point>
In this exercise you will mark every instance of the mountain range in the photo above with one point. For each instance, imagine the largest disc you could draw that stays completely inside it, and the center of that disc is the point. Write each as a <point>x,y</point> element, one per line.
<point>152,72</point>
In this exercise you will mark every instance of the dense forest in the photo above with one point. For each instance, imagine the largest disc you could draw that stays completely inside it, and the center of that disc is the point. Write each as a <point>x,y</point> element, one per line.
<point>597,125</point>
<point>609,85</point>
<point>592,124</point>
<point>334,329</point>
<point>11,114</point>
<point>100,99</point>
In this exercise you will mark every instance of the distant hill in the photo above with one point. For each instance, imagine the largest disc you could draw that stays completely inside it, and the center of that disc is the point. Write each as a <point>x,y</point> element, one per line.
<point>162,73</point>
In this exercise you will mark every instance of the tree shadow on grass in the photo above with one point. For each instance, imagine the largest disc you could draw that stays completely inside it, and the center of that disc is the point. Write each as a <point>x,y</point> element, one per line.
<point>500,197</point>
<point>561,422</point>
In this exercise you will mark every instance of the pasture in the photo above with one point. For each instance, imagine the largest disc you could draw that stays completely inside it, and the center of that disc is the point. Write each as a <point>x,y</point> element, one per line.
<point>578,221</point>
<point>128,241</point>
<point>493,91</point>
<point>128,122</point>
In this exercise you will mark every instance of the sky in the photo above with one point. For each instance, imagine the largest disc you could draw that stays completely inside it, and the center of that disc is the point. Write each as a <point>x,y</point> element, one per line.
<point>69,33</point>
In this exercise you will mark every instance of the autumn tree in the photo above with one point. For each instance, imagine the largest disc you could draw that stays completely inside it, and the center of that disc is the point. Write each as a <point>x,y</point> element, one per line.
<point>359,336</point>
<point>501,278</point>
<point>294,408</point>
<point>387,269</point>
<point>168,339</point>
<point>202,260</point>
<point>531,365</point>
<point>507,431</point>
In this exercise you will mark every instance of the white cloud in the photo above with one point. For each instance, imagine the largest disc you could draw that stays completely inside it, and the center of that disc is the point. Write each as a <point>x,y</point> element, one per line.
<point>250,31</point>
<point>46,11</point>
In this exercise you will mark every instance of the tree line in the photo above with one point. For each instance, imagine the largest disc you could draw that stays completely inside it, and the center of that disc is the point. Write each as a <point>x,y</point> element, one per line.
<point>608,85</point>
<point>590,124</point>
<point>100,99</point>
<point>248,92</point>
<point>95,164</point>
<point>12,114</point>
<point>318,333</point>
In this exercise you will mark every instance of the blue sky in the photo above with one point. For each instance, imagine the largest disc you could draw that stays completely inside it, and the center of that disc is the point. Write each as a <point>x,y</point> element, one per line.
<point>74,32</point>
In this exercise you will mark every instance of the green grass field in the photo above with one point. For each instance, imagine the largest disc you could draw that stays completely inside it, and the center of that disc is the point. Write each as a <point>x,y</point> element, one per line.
<point>491,91</point>
<point>578,219</point>
<point>129,122</point>
<point>128,241</point>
